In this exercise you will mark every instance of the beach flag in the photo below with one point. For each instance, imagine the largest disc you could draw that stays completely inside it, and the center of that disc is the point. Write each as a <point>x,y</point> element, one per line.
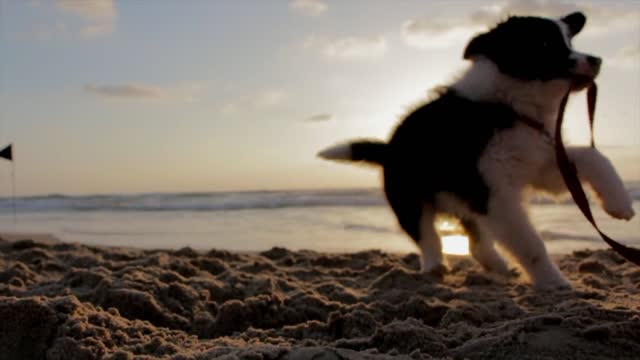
<point>7,152</point>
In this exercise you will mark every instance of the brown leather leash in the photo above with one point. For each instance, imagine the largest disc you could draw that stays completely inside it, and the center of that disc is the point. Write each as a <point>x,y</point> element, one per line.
<point>570,175</point>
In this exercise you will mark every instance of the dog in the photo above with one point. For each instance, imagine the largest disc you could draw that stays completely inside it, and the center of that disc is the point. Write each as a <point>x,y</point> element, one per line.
<point>479,145</point>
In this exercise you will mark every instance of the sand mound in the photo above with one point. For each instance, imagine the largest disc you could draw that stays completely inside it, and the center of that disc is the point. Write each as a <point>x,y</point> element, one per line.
<point>69,301</point>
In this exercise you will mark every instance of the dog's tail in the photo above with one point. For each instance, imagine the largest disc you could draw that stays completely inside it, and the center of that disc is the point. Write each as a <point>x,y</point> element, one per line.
<point>367,151</point>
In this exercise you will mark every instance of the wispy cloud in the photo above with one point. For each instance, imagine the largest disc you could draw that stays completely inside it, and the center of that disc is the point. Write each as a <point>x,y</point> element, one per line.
<point>429,33</point>
<point>100,15</point>
<point>271,97</point>
<point>91,18</point>
<point>309,7</point>
<point>551,8</point>
<point>229,108</point>
<point>323,117</point>
<point>89,9</point>
<point>263,99</point>
<point>627,57</point>
<point>186,91</point>
<point>438,31</point>
<point>612,18</point>
<point>124,91</point>
<point>349,47</point>
<point>603,17</point>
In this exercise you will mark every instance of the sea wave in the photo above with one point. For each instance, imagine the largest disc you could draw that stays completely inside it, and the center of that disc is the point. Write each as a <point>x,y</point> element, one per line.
<point>559,236</point>
<point>195,201</point>
<point>215,201</point>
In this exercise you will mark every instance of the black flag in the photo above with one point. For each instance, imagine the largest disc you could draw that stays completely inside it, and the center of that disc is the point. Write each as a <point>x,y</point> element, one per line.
<point>7,153</point>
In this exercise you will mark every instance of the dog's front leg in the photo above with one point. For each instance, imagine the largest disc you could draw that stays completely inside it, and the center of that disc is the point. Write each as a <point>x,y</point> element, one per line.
<point>596,170</point>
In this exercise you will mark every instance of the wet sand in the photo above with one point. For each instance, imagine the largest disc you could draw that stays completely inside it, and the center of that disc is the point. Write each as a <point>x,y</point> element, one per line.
<point>69,301</point>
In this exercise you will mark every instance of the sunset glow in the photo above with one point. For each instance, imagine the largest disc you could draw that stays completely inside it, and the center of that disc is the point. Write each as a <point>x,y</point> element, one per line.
<point>220,95</point>
<point>455,244</point>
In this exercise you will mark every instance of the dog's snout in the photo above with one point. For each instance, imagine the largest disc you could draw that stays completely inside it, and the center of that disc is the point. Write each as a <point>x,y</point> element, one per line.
<point>594,60</point>
<point>582,64</point>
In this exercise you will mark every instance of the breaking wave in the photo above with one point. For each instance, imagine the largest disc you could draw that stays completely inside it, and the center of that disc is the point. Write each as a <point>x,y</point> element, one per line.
<point>214,201</point>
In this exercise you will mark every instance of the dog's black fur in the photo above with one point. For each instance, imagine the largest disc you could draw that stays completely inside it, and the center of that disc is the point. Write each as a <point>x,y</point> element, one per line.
<point>435,149</point>
<point>529,48</point>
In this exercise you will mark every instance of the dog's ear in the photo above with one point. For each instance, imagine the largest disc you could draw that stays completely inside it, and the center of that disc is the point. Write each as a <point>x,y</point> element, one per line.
<point>477,46</point>
<point>575,21</point>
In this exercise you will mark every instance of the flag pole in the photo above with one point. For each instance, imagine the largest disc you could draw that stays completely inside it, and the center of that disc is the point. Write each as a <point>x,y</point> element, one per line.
<point>13,195</point>
<point>7,153</point>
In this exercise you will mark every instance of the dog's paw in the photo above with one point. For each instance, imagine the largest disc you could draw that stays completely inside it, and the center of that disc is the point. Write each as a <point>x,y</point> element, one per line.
<point>500,267</point>
<point>549,283</point>
<point>559,284</point>
<point>512,273</point>
<point>619,206</point>
<point>437,271</point>
<point>547,277</point>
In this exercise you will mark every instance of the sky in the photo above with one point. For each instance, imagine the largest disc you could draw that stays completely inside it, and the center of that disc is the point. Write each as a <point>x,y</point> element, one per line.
<point>102,96</point>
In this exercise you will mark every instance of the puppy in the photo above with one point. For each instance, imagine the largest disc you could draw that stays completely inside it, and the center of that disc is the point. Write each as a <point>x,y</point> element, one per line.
<point>476,148</point>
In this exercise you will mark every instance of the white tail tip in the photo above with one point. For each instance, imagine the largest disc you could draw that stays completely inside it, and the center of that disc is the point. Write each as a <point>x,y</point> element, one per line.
<point>336,152</point>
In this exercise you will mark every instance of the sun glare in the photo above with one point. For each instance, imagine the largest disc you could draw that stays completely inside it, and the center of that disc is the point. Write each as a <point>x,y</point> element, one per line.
<point>455,244</point>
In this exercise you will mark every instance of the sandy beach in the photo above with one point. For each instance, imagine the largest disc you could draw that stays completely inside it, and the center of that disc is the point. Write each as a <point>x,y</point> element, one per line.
<point>256,180</point>
<point>69,301</point>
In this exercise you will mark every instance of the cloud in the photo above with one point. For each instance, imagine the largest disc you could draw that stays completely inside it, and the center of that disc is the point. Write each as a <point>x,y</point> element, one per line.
<point>550,8</point>
<point>611,19</point>
<point>89,9</point>
<point>627,57</point>
<point>263,99</point>
<point>354,47</point>
<point>443,31</point>
<point>185,91</point>
<point>99,15</point>
<point>428,34</point>
<point>349,47</point>
<point>601,18</point>
<point>229,108</point>
<point>124,91</point>
<point>271,97</point>
<point>323,117</point>
<point>309,7</point>
<point>64,18</point>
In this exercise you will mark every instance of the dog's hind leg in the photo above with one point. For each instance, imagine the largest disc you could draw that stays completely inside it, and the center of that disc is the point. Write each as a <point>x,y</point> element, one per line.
<point>430,243</point>
<point>417,220</point>
<point>482,248</point>
<point>510,224</point>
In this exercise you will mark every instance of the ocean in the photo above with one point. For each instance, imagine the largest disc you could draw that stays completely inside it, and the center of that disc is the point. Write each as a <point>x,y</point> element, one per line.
<point>327,220</point>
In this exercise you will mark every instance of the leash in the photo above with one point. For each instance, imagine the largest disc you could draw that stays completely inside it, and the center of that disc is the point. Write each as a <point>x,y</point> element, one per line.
<point>570,175</point>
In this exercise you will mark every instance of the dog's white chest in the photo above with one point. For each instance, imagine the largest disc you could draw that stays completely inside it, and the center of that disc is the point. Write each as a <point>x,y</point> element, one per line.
<point>514,158</point>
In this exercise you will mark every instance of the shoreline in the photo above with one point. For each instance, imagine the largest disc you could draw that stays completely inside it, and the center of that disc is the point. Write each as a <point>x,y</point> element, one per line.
<point>63,300</point>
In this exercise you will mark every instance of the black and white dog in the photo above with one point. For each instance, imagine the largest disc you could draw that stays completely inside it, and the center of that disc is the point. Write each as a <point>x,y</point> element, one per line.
<point>474,150</point>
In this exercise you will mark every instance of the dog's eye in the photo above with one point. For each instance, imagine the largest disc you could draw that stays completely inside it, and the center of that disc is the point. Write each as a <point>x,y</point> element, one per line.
<point>545,44</point>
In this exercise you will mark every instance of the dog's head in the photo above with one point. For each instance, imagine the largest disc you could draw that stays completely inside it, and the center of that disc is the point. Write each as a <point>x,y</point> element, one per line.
<point>534,48</point>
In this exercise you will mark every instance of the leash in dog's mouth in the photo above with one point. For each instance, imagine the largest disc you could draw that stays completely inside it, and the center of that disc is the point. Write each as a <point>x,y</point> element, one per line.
<point>570,174</point>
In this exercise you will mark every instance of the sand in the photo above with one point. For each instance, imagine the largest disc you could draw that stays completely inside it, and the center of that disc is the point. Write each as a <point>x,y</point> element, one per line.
<point>70,301</point>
